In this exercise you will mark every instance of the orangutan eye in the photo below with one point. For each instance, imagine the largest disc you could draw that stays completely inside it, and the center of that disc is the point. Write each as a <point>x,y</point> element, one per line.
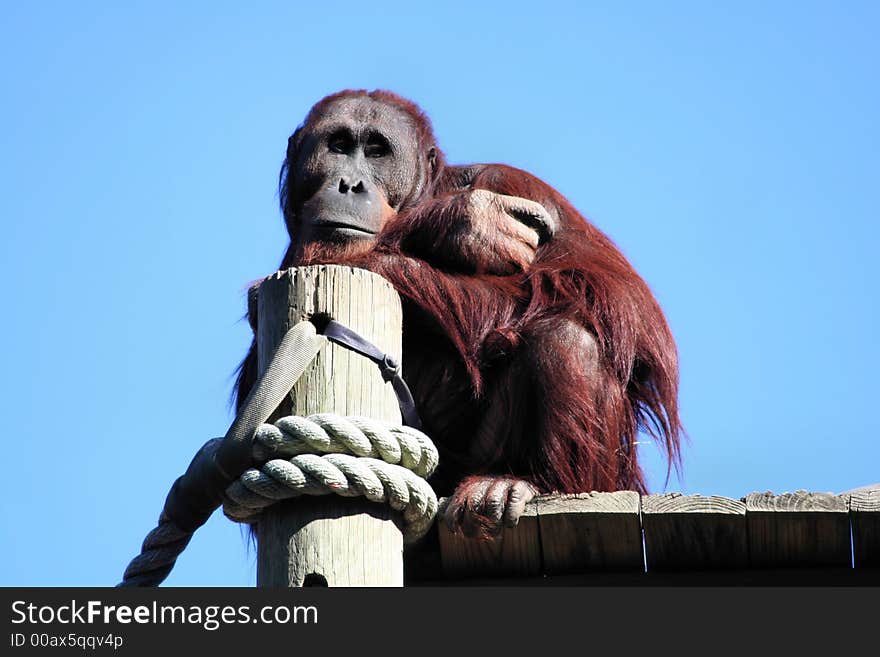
<point>340,142</point>
<point>376,146</point>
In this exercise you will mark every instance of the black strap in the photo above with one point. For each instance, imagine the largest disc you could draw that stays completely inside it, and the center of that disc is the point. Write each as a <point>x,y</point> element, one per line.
<point>388,366</point>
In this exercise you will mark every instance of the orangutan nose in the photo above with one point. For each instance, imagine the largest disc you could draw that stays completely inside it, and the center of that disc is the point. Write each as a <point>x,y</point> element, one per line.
<point>357,188</point>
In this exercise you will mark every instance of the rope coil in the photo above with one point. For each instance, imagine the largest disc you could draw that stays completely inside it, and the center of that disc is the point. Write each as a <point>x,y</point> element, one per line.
<point>289,453</point>
<point>326,453</point>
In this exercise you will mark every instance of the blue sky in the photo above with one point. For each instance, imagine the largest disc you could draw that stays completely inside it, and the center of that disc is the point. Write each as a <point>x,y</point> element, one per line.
<point>729,149</point>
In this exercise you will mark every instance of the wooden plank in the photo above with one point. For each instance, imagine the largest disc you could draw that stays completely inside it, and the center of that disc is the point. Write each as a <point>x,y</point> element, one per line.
<point>694,532</point>
<point>331,541</point>
<point>590,532</point>
<point>515,551</point>
<point>864,507</point>
<point>798,529</point>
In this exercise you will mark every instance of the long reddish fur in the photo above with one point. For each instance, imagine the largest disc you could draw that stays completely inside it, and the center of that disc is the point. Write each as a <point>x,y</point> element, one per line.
<point>587,437</point>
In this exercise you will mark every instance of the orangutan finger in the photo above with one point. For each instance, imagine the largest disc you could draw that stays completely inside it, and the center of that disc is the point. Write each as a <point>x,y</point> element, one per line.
<point>522,233</point>
<point>453,510</point>
<point>530,214</point>
<point>521,493</point>
<point>470,521</point>
<point>495,500</point>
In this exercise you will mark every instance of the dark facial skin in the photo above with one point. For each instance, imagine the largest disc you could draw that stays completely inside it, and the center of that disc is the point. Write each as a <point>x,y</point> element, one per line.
<point>357,164</point>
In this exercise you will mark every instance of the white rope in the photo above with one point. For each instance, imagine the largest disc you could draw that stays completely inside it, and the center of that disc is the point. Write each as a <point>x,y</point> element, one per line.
<point>349,456</point>
<point>384,463</point>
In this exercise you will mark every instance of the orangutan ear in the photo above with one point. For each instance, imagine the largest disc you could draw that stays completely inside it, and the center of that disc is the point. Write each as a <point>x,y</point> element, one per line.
<point>432,160</point>
<point>293,144</point>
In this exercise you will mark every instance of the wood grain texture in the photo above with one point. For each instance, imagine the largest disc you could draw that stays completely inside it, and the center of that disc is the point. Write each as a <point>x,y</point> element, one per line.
<point>590,532</point>
<point>864,508</point>
<point>332,540</point>
<point>515,551</point>
<point>798,529</point>
<point>347,542</point>
<point>694,532</point>
<point>338,380</point>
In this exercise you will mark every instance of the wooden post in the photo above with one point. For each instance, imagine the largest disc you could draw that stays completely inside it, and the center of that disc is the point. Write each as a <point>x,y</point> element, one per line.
<point>330,540</point>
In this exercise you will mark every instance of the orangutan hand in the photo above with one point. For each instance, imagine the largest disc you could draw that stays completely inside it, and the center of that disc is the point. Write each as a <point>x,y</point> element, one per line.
<point>481,506</point>
<point>503,232</point>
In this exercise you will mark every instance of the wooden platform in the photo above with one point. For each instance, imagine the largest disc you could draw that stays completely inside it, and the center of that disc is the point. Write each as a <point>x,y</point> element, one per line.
<point>625,537</point>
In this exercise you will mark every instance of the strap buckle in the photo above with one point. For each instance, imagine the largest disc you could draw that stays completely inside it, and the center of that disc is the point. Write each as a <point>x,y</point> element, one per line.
<point>388,367</point>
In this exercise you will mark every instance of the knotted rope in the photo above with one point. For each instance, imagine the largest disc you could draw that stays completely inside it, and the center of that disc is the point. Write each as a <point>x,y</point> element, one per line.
<point>349,456</point>
<point>289,455</point>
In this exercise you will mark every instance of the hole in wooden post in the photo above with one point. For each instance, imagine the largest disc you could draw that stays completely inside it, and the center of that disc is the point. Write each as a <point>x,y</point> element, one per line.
<point>314,579</point>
